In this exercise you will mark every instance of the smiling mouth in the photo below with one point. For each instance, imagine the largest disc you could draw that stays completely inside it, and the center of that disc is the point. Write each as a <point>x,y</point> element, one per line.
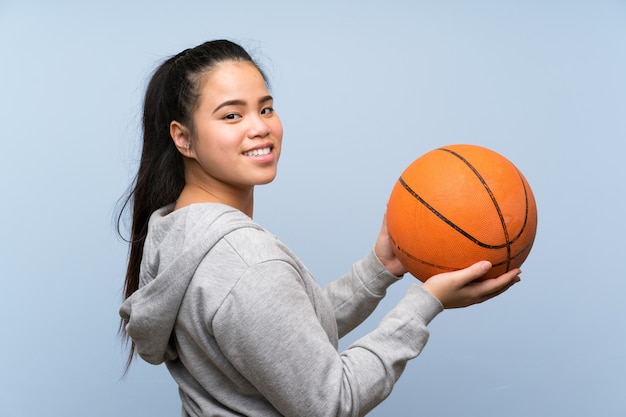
<point>257,152</point>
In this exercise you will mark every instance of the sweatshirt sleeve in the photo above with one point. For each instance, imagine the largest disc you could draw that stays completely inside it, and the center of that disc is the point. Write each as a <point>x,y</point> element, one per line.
<point>355,295</point>
<point>268,329</point>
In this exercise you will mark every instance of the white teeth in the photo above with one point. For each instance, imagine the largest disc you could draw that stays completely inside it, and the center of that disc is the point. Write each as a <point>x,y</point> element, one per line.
<point>257,152</point>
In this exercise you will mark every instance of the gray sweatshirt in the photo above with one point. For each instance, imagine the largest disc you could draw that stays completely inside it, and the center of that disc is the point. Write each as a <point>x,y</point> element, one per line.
<point>244,329</point>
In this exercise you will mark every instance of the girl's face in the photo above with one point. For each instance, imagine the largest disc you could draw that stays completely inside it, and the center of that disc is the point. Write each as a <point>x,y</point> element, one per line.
<point>238,135</point>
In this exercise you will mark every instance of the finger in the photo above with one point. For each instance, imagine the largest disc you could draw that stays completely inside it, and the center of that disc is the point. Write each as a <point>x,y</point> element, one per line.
<point>493,287</point>
<point>489,296</point>
<point>501,289</point>
<point>471,273</point>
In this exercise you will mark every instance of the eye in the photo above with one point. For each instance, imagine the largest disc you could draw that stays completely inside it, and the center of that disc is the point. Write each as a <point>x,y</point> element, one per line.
<point>267,111</point>
<point>232,116</point>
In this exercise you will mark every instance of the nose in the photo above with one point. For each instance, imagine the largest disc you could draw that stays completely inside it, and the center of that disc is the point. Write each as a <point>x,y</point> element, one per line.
<point>258,128</point>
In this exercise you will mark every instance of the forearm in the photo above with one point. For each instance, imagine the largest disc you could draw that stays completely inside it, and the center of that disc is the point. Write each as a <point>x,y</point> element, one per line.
<point>357,293</point>
<point>383,353</point>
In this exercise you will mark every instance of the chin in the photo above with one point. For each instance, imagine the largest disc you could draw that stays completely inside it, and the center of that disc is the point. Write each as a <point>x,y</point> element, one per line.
<point>266,180</point>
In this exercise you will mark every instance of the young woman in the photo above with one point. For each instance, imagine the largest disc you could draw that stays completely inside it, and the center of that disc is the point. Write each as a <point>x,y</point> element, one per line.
<point>239,321</point>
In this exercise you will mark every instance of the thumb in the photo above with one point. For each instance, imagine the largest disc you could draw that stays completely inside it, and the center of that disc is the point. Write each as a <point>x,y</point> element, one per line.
<point>473,272</point>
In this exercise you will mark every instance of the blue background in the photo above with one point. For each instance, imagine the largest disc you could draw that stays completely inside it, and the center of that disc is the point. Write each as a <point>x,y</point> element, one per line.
<point>363,88</point>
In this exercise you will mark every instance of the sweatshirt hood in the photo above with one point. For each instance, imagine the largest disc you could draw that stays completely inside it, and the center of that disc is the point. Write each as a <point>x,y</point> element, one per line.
<point>177,242</point>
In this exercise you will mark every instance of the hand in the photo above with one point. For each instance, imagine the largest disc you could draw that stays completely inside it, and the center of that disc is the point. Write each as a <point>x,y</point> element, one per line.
<point>462,288</point>
<point>384,250</point>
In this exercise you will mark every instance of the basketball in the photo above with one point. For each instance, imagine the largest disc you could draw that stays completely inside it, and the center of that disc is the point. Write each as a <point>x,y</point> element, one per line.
<point>458,205</point>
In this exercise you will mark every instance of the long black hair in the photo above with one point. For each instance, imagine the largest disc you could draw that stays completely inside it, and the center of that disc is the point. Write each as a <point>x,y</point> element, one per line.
<point>172,94</point>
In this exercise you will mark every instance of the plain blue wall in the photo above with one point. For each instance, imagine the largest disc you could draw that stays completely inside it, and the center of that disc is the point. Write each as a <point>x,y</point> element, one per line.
<point>363,88</point>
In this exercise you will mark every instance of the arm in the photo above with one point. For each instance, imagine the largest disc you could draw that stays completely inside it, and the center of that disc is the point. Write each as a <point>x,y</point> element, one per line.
<point>270,331</point>
<point>356,294</point>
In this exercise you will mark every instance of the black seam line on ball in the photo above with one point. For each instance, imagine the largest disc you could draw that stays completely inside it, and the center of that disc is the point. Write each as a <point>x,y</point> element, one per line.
<point>448,221</point>
<point>450,268</point>
<point>486,186</point>
<point>493,200</point>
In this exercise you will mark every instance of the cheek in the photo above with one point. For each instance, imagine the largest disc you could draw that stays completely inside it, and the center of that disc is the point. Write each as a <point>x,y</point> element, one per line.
<point>216,140</point>
<point>277,129</point>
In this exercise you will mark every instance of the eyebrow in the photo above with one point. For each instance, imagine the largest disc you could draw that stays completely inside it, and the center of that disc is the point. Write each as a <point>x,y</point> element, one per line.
<point>262,100</point>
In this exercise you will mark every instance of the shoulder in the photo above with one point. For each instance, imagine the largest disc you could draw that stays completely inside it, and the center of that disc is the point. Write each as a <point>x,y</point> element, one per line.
<point>185,236</point>
<point>237,239</point>
<point>255,245</point>
<point>234,241</point>
<point>242,261</point>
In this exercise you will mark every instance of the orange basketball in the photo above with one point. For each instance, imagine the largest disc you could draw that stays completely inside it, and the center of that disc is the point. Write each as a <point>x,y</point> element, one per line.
<point>458,205</point>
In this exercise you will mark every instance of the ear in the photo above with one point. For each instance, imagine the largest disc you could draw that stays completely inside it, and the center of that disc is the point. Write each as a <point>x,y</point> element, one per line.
<point>182,139</point>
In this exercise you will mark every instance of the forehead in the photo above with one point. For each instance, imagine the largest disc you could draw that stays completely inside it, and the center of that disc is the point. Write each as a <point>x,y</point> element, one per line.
<point>232,77</point>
